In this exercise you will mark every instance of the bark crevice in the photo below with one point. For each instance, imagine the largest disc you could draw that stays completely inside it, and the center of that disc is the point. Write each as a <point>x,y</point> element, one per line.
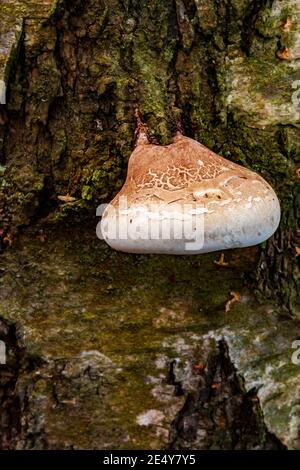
<point>220,414</point>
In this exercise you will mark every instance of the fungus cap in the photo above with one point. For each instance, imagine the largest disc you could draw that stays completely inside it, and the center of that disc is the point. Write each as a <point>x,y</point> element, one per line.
<point>185,199</point>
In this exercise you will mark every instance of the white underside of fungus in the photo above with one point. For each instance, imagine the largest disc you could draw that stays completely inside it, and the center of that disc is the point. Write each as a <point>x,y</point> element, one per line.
<point>185,199</point>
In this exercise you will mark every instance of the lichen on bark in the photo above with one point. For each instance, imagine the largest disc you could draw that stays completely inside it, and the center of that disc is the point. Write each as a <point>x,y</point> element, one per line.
<point>84,69</point>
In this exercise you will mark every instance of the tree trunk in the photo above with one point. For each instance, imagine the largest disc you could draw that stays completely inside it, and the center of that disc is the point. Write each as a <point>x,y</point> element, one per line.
<point>228,72</point>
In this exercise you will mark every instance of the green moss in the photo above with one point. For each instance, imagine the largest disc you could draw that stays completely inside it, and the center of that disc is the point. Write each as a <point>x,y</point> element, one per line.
<point>77,95</point>
<point>131,308</point>
<point>98,184</point>
<point>87,193</point>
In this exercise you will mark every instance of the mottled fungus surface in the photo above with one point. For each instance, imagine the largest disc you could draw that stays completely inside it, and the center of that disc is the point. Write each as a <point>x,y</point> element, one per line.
<point>184,199</point>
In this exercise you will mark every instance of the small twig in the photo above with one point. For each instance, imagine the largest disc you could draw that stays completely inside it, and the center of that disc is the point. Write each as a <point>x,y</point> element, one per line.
<point>179,124</point>
<point>236,297</point>
<point>141,131</point>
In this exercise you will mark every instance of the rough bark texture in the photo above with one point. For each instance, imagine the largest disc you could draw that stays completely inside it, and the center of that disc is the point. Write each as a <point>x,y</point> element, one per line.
<point>226,71</point>
<point>219,414</point>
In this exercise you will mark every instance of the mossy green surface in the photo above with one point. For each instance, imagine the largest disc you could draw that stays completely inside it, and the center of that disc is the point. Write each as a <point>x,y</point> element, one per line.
<point>71,294</point>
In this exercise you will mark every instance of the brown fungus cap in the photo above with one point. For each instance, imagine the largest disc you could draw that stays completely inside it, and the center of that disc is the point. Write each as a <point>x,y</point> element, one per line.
<point>183,199</point>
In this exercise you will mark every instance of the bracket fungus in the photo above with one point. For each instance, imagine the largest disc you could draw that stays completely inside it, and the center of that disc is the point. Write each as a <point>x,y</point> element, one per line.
<point>184,199</point>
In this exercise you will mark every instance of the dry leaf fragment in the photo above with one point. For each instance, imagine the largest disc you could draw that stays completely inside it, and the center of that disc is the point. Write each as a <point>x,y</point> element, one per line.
<point>297,249</point>
<point>255,399</point>
<point>198,367</point>
<point>287,24</point>
<point>66,198</point>
<point>222,423</point>
<point>236,297</point>
<point>284,54</point>
<point>221,261</point>
<point>8,239</point>
<point>42,236</point>
<point>215,386</point>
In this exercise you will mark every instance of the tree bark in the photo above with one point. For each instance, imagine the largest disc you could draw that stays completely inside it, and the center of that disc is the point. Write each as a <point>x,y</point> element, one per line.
<point>227,72</point>
<point>219,67</point>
